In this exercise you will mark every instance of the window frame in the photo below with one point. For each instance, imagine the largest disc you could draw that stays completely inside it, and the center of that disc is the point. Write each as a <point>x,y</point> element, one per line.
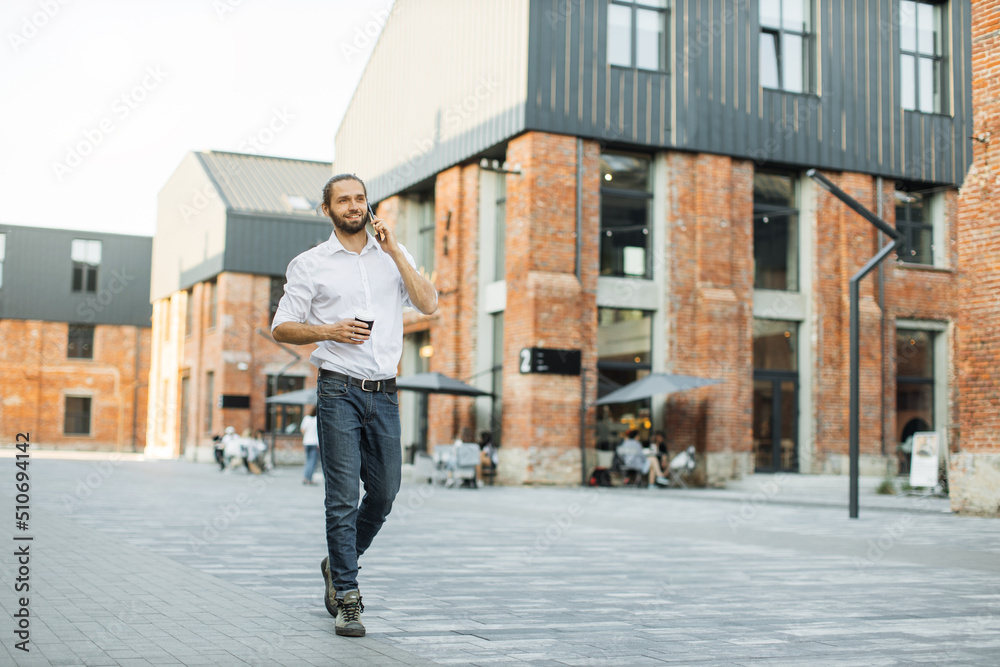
<point>89,412</point>
<point>84,278</point>
<point>939,100</point>
<point>634,6</point>
<point>761,211</point>
<point>648,196</point>
<point>808,50</point>
<point>282,413</point>
<point>72,340</point>
<point>907,227</point>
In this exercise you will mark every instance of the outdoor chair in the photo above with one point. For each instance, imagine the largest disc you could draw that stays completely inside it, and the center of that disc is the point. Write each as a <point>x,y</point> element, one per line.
<point>682,465</point>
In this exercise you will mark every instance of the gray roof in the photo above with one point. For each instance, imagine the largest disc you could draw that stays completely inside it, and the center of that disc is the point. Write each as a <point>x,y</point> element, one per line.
<point>265,184</point>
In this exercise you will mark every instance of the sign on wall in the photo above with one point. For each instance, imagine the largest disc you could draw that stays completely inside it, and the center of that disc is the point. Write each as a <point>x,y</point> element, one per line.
<point>547,360</point>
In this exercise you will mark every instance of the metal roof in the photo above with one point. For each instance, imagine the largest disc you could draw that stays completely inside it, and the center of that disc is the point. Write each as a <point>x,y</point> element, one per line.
<point>265,184</point>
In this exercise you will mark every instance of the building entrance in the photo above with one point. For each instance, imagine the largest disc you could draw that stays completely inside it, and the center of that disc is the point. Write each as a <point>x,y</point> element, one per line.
<point>775,421</point>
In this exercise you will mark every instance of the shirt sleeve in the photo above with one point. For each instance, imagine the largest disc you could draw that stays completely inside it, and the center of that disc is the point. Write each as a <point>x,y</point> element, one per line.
<point>296,302</point>
<point>403,292</point>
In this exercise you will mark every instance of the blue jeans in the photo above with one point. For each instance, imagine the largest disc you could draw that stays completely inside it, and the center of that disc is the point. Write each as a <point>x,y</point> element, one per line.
<point>312,456</point>
<point>358,439</point>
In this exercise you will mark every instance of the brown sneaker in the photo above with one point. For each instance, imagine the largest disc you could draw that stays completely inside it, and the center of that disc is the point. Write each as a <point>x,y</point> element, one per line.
<point>349,615</point>
<point>329,594</point>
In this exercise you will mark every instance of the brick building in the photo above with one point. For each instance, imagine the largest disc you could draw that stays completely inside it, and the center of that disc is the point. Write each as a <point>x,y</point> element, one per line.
<point>74,337</point>
<point>227,226</point>
<point>974,474</point>
<point>626,179</point>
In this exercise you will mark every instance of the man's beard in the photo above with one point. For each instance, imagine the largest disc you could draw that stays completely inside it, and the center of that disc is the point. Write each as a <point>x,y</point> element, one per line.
<point>349,226</point>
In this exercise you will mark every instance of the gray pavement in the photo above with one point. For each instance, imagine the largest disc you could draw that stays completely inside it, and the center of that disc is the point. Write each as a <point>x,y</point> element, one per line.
<point>173,563</point>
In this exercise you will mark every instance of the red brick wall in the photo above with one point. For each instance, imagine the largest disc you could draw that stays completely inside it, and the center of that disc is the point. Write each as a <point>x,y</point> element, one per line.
<point>979,250</point>
<point>709,310</point>
<point>36,375</point>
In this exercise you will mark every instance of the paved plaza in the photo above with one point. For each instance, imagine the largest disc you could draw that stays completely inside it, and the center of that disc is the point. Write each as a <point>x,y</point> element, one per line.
<point>173,563</point>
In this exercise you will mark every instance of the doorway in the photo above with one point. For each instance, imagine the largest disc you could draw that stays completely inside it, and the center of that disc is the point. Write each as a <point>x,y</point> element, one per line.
<point>775,421</point>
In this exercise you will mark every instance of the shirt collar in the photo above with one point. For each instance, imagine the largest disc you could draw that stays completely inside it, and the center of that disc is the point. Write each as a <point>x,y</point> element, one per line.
<point>333,245</point>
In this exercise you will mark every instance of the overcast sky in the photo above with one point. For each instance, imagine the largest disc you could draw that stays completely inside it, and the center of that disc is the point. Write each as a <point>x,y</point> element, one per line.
<point>101,99</point>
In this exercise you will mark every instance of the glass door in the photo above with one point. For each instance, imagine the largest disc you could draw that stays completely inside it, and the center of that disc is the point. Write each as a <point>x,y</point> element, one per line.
<point>775,422</point>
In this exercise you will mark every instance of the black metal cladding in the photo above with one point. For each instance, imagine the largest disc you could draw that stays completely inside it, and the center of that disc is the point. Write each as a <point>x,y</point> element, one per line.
<point>709,98</point>
<point>38,278</point>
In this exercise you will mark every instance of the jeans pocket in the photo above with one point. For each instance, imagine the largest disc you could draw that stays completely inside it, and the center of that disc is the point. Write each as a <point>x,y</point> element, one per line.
<point>331,389</point>
<point>393,397</point>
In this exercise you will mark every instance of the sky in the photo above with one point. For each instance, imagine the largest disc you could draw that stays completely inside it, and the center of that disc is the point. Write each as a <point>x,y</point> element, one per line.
<point>101,99</point>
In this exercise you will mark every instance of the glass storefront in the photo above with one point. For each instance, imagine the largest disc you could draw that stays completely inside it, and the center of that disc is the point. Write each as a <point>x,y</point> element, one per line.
<point>624,341</point>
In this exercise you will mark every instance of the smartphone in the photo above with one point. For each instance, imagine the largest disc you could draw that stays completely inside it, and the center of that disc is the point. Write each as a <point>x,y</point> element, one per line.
<point>371,221</point>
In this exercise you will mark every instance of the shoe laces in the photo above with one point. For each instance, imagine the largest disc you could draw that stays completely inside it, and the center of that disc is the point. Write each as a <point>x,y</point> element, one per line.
<point>352,610</point>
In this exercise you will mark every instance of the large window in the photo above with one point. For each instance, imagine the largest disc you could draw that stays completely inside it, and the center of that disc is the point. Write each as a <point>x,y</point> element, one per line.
<point>283,418</point>
<point>80,342</point>
<point>624,342</point>
<point>626,210</point>
<point>496,417</point>
<point>423,252</point>
<point>277,291</point>
<point>915,221</point>
<point>209,400</point>
<point>921,55</point>
<point>213,303</point>
<point>785,45</point>
<point>86,255</point>
<point>500,235</point>
<point>775,345</point>
<point>76,419</point>
<point>775,232</point>
<point>189,312</point>
<point>637,34</point>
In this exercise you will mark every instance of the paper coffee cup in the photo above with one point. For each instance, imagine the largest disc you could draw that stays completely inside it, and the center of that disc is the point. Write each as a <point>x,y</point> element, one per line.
<point>366,317</point>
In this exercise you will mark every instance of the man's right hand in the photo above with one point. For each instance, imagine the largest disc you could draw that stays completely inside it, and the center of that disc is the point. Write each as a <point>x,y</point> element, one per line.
<point>349,331</point>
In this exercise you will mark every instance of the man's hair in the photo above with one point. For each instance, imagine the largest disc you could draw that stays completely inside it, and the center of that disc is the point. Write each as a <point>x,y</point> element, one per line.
<point>328,188</point>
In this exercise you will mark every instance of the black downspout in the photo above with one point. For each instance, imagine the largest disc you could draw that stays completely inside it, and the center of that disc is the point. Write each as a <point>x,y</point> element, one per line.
<point>896,238</point>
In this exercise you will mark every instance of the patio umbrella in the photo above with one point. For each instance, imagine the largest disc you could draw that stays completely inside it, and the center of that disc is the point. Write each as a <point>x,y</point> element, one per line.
<point>435,383</point>
<point>298,397</point>
<point>654,384</point>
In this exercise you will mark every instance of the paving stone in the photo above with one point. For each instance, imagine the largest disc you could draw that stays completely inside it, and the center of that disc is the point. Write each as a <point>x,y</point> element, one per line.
<point>507,576</point>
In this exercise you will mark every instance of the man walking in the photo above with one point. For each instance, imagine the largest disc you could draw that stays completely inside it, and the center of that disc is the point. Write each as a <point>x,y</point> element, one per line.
<point>346,295</point>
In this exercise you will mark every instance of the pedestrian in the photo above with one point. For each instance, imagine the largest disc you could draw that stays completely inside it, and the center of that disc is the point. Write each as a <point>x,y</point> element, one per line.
<point>310,440</point>
<point>347,295</point>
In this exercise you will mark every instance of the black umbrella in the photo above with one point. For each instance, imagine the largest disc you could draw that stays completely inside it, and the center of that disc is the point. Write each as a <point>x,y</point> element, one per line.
<point>653,385</point>
<point>435,383</point>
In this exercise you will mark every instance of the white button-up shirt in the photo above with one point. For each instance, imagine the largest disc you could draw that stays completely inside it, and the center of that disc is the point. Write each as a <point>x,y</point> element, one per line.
<point>330,283</point>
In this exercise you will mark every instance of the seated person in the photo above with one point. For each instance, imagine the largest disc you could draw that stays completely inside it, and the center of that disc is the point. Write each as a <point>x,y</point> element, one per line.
<point>659,447</point>
<point>488,458</point>
<point>633,458</point>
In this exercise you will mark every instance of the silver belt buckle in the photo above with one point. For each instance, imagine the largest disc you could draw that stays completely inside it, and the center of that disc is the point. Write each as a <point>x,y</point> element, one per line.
<point>365,388</point>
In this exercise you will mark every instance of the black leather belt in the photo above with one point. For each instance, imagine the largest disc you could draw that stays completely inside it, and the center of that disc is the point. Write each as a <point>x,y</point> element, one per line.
<point>385,386</point>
